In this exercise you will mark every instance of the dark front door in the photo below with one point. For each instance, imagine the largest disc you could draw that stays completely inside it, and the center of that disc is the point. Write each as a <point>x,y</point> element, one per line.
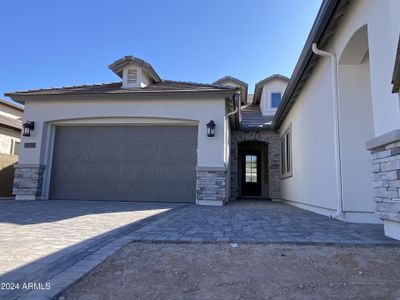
<point>251,173</point>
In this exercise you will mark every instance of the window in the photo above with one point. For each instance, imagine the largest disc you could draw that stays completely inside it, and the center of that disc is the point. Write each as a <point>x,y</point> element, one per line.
<point>16,148</point>
<point>286,153</point>
<point>251,168</point>
<point>275,99</point>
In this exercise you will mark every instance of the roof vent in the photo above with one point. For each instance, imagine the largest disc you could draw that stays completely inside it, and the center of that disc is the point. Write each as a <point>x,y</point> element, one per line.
<point>132,76</point>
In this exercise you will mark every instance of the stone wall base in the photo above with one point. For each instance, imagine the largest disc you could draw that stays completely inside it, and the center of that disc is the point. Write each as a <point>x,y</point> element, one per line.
<point>28,181</point>
<point>385,152</point>
<point>211,186</point>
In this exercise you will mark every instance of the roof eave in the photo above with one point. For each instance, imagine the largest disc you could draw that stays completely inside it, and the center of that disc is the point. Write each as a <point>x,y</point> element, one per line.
<point>318,29</point>
<point>21,98</point>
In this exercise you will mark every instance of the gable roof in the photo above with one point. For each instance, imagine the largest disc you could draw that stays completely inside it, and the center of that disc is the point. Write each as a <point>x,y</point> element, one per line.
<point>244,86</point>
<point>115,89</point>
<point>118,66</point>
<point>396,71</point>
<point>259,86</point>
<point>325,25</point>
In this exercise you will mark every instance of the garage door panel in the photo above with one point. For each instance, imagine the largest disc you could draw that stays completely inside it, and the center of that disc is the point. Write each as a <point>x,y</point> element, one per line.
<point>107,134</point>
<point>68,135</point>
<point>68,172</point>
<point>106,153</point>
<point>143,153</point>
<point>70,153</point>
<point>176,192</point>
<point>103,190</point>
<point>104,172</point>
<point>141,172</point>
<point>144,134</point>
<point>178,173</point>
<point>179,154</point>
<point>141,192</point>
<point>69,190</point>
<point>180,135</point>
<point>132,163</point>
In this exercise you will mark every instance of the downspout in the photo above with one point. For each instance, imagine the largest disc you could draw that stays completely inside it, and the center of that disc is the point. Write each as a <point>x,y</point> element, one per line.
<point>235,111</point>
<point>338,159</point>
<point>235,97</point>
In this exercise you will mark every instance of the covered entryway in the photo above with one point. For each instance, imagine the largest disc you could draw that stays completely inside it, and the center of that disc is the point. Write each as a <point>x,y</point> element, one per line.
<point>130,163</point>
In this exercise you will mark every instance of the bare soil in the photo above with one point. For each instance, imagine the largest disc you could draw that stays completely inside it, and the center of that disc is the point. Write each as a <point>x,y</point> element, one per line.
<point>168,271</point>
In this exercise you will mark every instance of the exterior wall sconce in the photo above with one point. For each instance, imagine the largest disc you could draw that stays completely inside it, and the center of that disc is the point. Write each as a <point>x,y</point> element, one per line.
<point>211,129</point>
<point>28,126</point>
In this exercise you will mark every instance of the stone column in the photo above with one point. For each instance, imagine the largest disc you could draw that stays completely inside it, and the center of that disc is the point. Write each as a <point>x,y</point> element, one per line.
<point>211,186</point>
<point>28,181</point>
<point>385,152</point>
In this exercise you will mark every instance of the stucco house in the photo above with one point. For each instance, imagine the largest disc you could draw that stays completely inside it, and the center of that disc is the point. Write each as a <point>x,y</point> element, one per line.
<point>327,140</point>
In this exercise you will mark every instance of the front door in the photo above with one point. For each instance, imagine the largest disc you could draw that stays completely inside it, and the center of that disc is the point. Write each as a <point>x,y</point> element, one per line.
<point>251,173</point>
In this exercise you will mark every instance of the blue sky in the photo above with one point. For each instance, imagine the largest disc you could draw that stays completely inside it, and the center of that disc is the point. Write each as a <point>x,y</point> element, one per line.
<point>71,42</point>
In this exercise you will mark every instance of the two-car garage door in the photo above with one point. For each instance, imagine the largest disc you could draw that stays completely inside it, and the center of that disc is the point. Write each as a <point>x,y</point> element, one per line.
<point>130,163</point>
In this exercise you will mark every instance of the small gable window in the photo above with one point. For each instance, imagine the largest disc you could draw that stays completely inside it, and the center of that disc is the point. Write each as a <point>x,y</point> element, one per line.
<point>275,99</point>
<point>132,76</point>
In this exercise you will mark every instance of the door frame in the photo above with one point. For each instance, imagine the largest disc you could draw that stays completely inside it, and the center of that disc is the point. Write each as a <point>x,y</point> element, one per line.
<point>249,146</point>
<point>257,186</point>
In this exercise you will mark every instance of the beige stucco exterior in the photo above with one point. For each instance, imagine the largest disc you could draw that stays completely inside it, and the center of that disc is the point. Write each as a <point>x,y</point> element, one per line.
<point>367,108</point>
<point>211,152</point>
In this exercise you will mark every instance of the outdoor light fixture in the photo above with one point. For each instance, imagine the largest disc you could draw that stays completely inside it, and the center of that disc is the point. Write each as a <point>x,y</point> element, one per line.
<point>28,126</point>
<point>211,129</point>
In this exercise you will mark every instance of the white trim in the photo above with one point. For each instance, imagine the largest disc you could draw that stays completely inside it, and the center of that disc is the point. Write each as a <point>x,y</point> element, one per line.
<point>286,132</point>
<point>392,229</point>
<point>210,202</point>
<point>347,216</point>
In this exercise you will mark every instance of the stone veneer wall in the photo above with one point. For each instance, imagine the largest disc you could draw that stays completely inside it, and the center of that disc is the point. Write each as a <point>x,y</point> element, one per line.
<point>211,186</point>
<point>28,181</point>
<point>386,184</point>
<point>274,156</point>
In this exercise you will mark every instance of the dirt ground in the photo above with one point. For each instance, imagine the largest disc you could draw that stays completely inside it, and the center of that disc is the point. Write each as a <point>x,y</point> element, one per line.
<point>165,271</point>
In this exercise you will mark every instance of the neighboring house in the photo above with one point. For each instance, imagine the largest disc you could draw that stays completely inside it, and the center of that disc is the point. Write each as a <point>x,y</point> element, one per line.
<point>303,141</point>
<point>10,127</point>
<point>10,137</point>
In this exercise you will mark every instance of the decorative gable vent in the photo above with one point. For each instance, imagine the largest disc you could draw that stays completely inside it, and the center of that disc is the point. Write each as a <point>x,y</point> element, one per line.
<point>132,76</point>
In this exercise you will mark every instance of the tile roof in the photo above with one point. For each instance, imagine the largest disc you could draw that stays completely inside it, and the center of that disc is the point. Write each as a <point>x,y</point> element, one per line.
<point>115,88</point>
<point>118,66</point>
<point>10,122</point>
<point>252,118</point>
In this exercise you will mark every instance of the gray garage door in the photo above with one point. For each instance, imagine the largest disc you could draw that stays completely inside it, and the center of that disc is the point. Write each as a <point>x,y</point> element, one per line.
<point>132,163</point>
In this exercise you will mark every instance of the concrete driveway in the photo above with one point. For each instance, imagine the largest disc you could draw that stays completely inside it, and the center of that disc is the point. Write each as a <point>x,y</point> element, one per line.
<point>57,242</point>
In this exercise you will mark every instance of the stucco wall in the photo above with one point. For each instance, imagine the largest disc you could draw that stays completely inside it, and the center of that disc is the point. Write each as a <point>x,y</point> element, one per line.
<point>274,85</point>
<point>313,160</point>
<point>364,113</point>
<point>210,150</point>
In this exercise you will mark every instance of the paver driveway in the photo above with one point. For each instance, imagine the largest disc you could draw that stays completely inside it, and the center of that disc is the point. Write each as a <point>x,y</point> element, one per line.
<point>41,239</point>
<point>60,241</point>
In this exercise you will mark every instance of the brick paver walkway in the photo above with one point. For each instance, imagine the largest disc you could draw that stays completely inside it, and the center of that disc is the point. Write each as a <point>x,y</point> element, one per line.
<point>58,242</point>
